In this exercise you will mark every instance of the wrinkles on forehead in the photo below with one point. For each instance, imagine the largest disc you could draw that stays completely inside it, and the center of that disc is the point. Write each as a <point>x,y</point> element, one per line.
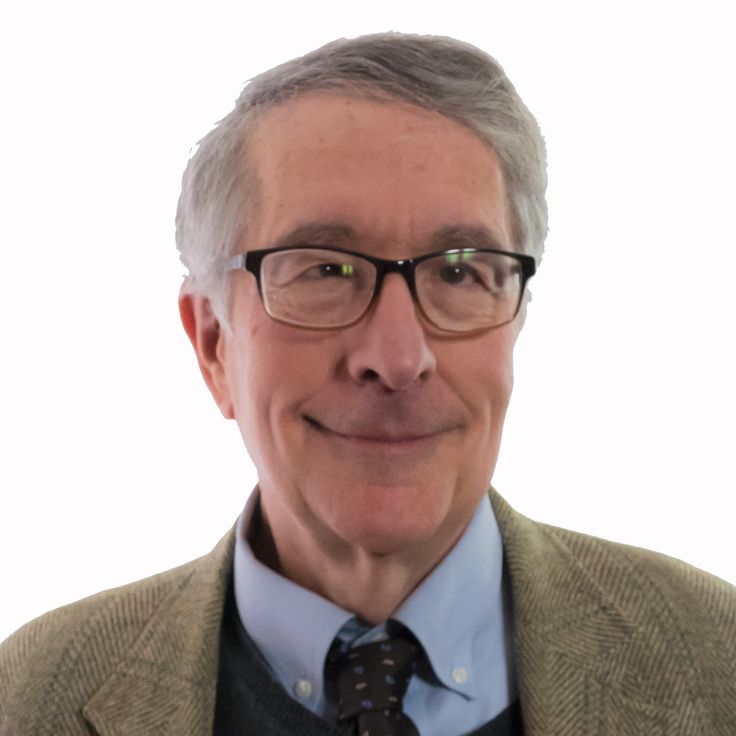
<point>390,179</point>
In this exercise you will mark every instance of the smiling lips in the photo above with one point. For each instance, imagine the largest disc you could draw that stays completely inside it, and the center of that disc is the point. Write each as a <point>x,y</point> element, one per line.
<point>381,434</point>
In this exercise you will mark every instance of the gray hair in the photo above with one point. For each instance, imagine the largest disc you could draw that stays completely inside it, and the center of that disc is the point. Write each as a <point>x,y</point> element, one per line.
<point>219,189</point>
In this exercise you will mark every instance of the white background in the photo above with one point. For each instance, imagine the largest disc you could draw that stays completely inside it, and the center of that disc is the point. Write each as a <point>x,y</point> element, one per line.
<point>115,462</point>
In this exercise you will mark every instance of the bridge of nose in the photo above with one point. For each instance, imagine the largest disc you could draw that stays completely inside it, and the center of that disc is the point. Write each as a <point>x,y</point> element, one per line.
<point>391,343</point>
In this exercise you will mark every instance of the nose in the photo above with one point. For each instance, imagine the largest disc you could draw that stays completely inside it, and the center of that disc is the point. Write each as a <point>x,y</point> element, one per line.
<point>389,346</point>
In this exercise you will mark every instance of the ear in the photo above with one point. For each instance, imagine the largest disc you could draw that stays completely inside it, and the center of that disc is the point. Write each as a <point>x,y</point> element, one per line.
<point>209,341</point>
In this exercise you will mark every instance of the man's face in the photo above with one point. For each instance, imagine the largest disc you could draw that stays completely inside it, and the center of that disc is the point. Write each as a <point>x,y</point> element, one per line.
<point>381,436</point>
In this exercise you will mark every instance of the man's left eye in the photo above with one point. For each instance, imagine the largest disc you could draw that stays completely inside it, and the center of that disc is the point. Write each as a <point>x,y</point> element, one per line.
<point>458,273</point>
<point>345,270</point>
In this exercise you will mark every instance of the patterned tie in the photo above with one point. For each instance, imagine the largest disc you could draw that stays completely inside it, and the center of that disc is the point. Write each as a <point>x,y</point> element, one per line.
<point>371,681</point>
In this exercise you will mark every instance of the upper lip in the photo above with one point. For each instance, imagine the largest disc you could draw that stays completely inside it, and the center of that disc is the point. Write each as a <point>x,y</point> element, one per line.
<point>386,437</point>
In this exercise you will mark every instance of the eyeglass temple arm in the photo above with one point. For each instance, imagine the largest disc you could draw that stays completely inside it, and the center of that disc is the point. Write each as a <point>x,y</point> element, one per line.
<point>236,262</point>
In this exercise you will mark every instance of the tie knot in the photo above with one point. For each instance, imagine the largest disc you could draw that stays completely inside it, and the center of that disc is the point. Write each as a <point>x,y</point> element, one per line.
<point>375,677</point>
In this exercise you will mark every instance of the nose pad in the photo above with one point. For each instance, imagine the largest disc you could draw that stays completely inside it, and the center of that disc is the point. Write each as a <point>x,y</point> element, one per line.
<point>390,344</point>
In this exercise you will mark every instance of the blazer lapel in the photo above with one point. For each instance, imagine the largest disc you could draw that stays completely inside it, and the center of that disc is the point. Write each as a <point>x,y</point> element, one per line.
<point>166,683</point>
<point>584,665</point>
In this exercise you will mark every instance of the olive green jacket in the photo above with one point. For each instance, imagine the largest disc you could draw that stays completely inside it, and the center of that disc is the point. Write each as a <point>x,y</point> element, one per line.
<point>608,640</point>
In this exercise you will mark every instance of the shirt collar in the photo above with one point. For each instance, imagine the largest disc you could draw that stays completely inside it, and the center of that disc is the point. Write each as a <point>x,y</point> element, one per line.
<point>456,613</point>
<point>291,626</point>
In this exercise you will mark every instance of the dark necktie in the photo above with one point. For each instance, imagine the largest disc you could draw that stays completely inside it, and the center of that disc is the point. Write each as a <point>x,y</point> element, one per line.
<point>371,681</point>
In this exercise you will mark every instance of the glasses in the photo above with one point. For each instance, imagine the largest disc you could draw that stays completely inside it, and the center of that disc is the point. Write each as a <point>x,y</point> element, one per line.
<point>458,290</point>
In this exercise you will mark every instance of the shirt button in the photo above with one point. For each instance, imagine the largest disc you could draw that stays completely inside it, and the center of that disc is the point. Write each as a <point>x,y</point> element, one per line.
<point>302,689</point>
<point>460,675</point>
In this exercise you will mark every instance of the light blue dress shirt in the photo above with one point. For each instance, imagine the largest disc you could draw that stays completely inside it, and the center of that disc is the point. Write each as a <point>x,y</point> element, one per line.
<point>460,614</point>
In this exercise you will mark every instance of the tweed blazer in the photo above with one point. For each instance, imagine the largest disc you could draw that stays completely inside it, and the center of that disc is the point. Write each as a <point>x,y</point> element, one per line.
<point>608,639</point>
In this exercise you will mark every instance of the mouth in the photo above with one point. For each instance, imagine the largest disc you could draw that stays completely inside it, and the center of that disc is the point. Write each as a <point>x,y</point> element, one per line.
<point>379,437</point>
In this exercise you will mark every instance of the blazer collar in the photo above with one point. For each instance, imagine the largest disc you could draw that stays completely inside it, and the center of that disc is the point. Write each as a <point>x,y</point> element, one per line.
<point>572,643</point>
<point>581,663</point>
<point>166,682</point>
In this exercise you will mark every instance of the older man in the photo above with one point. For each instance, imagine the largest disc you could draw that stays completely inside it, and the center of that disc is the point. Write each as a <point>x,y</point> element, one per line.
<point>359,233</point>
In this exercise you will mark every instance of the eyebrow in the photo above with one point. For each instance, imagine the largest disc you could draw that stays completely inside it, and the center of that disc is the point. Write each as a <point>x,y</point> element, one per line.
<point>338,233</point>
<point>466,236</point>
<point>329,232</point>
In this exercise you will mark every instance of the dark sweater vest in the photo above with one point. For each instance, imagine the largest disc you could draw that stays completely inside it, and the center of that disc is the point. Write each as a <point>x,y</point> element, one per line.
<point>251,703</point>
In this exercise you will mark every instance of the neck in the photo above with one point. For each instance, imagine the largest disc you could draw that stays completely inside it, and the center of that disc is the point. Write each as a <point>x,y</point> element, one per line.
<point>370,585</point>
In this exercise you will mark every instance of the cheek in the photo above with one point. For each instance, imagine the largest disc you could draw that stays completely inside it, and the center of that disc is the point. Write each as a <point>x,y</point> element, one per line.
<point>275,370</point>
<point>503,383</point>
<point>481,371</point>
<point>500,388</point>
<point>486,393</point>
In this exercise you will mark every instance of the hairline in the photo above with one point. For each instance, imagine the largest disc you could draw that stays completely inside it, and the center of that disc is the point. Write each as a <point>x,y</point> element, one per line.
<point>222,191</point>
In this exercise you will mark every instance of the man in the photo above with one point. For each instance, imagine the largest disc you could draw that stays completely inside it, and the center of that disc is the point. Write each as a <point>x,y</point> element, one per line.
<point>359,233</point>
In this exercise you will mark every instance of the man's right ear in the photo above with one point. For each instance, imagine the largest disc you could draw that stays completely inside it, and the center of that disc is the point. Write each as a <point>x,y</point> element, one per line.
<point>209,341</point>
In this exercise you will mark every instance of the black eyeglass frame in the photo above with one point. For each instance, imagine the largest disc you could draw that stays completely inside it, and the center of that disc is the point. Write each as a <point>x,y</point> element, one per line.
<point>251,261</point>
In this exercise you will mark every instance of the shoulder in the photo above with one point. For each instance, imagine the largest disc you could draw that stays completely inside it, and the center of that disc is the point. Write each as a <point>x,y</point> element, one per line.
<point>631,578</point>
<point>659,632</point>
<point>679,624</point>
<point>635,575</point>
<point>68,652</point>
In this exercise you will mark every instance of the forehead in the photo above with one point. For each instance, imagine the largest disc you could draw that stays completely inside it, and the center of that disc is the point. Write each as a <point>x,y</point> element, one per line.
<point>388,171</point>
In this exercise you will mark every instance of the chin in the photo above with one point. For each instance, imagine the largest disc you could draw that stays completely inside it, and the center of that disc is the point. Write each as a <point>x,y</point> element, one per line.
<point>389,519</point>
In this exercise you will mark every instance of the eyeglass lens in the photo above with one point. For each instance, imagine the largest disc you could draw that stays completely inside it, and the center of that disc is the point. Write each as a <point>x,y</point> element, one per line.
<point>458,291</point>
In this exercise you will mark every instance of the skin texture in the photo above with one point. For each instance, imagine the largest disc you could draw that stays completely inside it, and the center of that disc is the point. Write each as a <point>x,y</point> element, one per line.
<point>374,444</point>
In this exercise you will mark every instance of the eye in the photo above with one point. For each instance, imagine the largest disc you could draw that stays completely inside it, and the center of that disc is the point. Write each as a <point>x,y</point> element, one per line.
<point>456,273</point>
<point>340,270</point>
<point>466,275</point>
